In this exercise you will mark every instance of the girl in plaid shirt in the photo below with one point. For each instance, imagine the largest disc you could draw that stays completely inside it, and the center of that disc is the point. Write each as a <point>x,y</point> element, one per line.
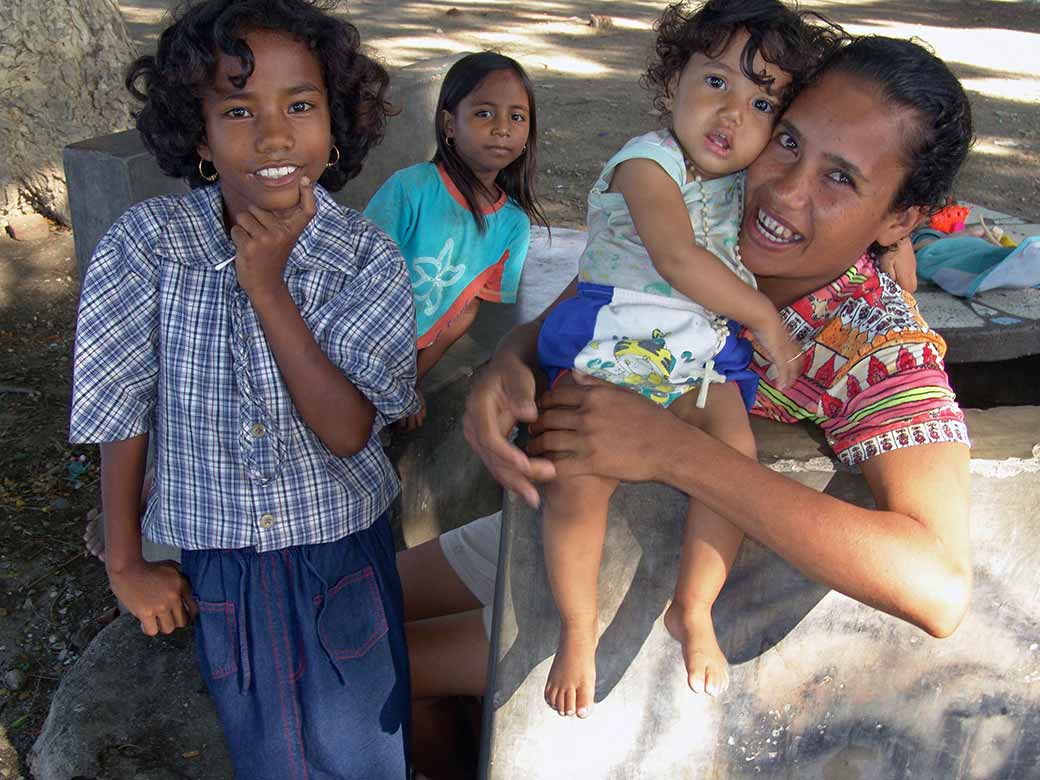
<point>262,335</point>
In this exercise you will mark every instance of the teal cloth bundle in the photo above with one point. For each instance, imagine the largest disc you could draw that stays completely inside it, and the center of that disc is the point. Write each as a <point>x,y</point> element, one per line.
<point>966,265</point>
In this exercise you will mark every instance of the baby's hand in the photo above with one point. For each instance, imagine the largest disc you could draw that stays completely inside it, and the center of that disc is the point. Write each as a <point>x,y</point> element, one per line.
<point>263,241</point>
<point>901,264</point>
<point>782,352</point>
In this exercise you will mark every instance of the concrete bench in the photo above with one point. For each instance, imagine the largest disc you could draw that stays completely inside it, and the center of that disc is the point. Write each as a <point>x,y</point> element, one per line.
<point>822,686</point>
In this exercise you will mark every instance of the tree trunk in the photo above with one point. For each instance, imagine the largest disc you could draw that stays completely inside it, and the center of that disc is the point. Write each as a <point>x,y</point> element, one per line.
<point>61,80</point>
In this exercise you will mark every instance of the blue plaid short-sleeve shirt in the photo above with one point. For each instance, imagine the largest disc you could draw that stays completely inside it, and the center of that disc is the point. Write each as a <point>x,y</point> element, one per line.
<point>169,346</point>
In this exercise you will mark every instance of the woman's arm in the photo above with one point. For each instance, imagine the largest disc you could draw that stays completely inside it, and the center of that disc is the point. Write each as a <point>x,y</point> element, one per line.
<point>504,395</point>
<point>910,557</point>
<point>663,223</point>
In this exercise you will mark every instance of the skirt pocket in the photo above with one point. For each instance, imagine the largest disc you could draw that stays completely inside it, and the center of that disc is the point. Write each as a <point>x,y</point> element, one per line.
<point>217,637</point>
<point>353,620</point>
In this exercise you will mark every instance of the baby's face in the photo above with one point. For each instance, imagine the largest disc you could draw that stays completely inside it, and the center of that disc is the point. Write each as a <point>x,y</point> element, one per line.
<point>721,117</point>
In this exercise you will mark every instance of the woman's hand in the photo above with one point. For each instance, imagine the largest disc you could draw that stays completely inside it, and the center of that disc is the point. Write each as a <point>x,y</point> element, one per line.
<point>502,396</point>
<point>594,427</point>
<point>263,241</point>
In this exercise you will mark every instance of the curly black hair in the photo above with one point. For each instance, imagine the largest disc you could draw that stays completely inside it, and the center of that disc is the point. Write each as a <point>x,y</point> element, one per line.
<point>911,78</point>
<point>517,180</point>
<point>784,36</point>
<point>171,120</point>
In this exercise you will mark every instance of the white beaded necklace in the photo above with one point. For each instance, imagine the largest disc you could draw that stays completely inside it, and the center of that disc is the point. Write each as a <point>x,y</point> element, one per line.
<point>691,170</point>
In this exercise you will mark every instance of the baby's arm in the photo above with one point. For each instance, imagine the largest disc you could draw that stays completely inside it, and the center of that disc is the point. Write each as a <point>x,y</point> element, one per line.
<point>157,594</point>
<point>327,401</point>
<point>663,223</point>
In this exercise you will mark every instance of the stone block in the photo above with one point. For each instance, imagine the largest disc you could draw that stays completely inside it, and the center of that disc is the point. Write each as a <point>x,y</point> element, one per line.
<point>443,483</point>
<point>132,704</point>
<point>106,176</point>
<point>822,686</point>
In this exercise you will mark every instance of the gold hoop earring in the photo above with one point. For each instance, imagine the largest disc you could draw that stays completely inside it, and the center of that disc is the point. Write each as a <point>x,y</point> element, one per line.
<point>449,141</point>
<point>333,163</point>
<point>202,173</point>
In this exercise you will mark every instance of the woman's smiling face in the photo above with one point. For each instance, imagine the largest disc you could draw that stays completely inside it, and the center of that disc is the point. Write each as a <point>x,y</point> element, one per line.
<point>821,192</point>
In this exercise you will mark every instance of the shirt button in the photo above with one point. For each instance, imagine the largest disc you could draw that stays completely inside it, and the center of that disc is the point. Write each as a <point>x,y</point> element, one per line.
<point>266,521</point>
<point>258,430</point>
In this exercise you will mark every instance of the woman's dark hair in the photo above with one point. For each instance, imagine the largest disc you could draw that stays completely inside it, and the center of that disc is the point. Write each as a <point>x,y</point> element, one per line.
<point>517,180</point>
<point>171,121</point>
<point>783,36</point>
<point>939,135</point>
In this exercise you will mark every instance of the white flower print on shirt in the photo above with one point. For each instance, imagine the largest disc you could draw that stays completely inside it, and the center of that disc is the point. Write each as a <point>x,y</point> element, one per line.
<point>432,274</point>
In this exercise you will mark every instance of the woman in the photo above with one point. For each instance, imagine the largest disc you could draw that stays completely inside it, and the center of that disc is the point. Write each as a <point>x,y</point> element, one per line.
<point>859,157</point>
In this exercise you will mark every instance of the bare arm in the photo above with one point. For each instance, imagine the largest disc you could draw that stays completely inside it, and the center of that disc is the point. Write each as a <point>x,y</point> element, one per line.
<point>155,593</point>
<point>663,223</point>
<point>504,395</point>
<point>901,264</point>
<point>910,557</point>
<point>327,401</point>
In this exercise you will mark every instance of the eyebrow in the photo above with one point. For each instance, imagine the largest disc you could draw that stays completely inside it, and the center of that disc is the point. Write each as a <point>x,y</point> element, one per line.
<point>836,159</point>
<point>244,94</point>
<point>719,64</point>
<point>493,103</point>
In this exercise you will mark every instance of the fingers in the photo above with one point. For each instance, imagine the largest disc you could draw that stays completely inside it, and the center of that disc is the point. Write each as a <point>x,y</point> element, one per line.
<point>188,600</point>
<point>588,380</point>
<point>554,443</point>
<point>250,223</point>
<point>562,418</point>
<point>149,625</point>
<point>305,211</point>
<point>563,395</point>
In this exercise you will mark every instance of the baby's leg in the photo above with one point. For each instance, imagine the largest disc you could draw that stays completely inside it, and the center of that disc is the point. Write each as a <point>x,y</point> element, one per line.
<point>574,520</point>
<point>709,546</point>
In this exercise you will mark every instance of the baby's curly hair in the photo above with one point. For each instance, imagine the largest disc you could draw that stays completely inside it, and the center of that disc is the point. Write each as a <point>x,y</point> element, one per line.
<point>171,121</point>
<point>784,36</point>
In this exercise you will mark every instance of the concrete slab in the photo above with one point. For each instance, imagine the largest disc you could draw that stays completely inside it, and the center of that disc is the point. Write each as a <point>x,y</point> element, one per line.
<point>994,325</point>
<point>823,687</point>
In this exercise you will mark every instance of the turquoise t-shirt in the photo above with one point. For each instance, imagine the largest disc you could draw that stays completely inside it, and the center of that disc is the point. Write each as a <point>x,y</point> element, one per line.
<point>450,261</point>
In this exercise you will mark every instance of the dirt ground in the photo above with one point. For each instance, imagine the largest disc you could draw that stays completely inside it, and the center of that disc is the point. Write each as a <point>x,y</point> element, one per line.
<point>53,599</point>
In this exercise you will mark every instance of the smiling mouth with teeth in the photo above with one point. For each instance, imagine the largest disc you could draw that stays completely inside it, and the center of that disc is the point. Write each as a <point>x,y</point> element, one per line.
<point>276,173</point>
<point>774,231</point>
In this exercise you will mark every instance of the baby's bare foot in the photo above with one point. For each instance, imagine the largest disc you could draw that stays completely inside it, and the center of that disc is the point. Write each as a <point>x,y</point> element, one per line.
<point>413,421</point>
<point>572,678</point>
<point>707,670</point>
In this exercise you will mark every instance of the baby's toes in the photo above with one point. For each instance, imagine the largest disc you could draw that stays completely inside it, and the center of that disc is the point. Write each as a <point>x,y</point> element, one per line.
<point>717,679</point>
<point>583,701</point>
<point>697,671</point>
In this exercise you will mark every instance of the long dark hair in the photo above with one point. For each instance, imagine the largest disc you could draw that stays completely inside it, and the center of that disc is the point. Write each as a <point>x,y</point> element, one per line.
<point>517,180</point>
<point>170,83</point>
<point>940,134</point>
